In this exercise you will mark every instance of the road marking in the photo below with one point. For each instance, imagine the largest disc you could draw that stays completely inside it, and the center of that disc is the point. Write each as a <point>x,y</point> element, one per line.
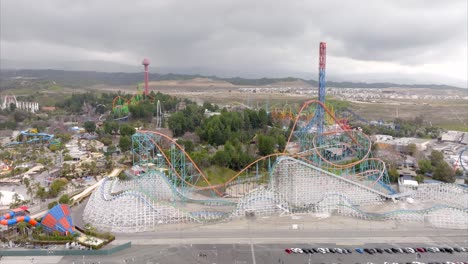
<point>253,254</point>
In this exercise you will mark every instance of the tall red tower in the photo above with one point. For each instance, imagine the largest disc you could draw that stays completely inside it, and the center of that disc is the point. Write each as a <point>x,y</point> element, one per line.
<point>146,63</point>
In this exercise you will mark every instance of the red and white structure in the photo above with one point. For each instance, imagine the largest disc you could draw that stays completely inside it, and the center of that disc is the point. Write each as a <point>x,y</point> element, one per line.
<point>146,63</point>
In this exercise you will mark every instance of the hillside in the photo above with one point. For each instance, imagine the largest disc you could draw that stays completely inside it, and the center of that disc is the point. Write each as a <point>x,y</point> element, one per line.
<point>10,78</point>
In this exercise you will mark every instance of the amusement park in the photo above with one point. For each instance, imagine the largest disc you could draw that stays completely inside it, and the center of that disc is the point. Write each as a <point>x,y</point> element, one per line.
<point>326,168</point>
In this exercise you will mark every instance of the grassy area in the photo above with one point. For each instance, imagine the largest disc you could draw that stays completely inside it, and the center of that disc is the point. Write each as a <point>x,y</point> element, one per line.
<point>457,127</point>
<point>217,175</point>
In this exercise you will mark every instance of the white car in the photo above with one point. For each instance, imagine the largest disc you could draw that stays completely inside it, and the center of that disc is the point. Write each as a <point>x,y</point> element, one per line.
<point>409,250</point>
<point>297,250</point>
<point>322,250</point>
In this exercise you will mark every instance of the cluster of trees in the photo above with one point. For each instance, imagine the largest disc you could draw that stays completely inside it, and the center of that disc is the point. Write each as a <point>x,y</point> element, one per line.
<point>405,128</point>
<point>239,137</point>
<point>186,120</point>
<point>440,169</point>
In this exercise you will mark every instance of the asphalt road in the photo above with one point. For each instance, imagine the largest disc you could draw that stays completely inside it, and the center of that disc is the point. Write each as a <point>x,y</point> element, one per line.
<point>257,254</point>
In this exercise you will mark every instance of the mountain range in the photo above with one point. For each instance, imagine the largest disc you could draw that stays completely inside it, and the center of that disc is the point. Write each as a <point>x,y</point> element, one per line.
<point>74,74</point>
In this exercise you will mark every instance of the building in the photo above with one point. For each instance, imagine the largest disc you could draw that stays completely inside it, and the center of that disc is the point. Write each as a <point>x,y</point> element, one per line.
<point>400,144</point>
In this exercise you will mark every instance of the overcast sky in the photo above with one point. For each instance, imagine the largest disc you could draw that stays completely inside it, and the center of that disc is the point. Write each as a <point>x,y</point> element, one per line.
<point>395,41</point>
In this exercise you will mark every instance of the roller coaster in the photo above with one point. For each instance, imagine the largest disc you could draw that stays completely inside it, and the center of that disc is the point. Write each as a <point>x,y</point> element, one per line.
<point>324,168</point>
<point>331,172</point>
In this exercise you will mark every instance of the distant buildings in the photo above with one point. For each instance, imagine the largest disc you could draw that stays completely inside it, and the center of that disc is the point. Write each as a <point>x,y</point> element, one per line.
<point>400,144</point>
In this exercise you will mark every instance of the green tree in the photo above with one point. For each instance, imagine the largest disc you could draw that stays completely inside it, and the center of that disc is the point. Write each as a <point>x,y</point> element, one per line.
<point>106,140</point>
<point>263,117</point>
<point>125,143</point>
<point>111,127</point>
<point>90,126</point>
<point>393,175</point>
<point>176,123</point>
<point>20,116</point>
<point>64,137</point>
<point>56,187</point>
<point>411,149</point>
<point>26,182</point>
<point>266,145</point>
<point>22,227</point>
<point>222,158</point>
<point>425,166</point>
<point>444,172</point>
<point>12,107</point>
<point>437,158</point>
<point>52,204</point>
<point>419,178</point>
<point>127,130</point>
<point>64,199</point>
<point>40,192</point>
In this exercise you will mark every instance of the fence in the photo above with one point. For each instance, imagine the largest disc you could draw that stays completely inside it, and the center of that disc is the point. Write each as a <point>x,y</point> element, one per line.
<point>65,252</point>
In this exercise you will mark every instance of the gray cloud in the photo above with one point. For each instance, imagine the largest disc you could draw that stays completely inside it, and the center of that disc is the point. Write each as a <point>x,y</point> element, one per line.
<point>415,39</point>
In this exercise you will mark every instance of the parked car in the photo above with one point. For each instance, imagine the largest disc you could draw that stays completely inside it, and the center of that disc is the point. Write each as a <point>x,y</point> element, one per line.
<point>421,250</point>
<point>379,250</point>
<point>431,249</point>
<point>409,250</point>
<point>360,250</point>
<point>388,250</point>
<point>449,250</point>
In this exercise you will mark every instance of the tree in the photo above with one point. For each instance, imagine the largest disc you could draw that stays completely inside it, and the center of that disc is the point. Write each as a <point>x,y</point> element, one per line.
<point>444,172</point>
<point>176,123</point>
<point>394,175</point>
<point>12,107</point>
<point>52,204</point>
<point>26,182</point>
<point>16,198</point>
<point>411,149</point>
<point>425,166</point>
<point>222,158</point>
<point>436,158</point>
<point>266,145</point>
<point>125,143</point>
<point>40,191</point>
<point>106,140</point>
<point>126,130</point>
<point>109,163</point>
<point>22,227</point>
<point>20,116</point>
<point>64,199</point>
<point>111,127</point>
<point>56,187</point>
<point>419,178</point>
<point>90,126</point>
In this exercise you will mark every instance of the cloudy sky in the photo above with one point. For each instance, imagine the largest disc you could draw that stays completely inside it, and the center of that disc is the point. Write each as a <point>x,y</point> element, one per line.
<point>375,40</point>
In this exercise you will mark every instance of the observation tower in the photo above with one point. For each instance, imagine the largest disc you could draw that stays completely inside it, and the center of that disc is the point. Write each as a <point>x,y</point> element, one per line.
<point>146,63</point>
